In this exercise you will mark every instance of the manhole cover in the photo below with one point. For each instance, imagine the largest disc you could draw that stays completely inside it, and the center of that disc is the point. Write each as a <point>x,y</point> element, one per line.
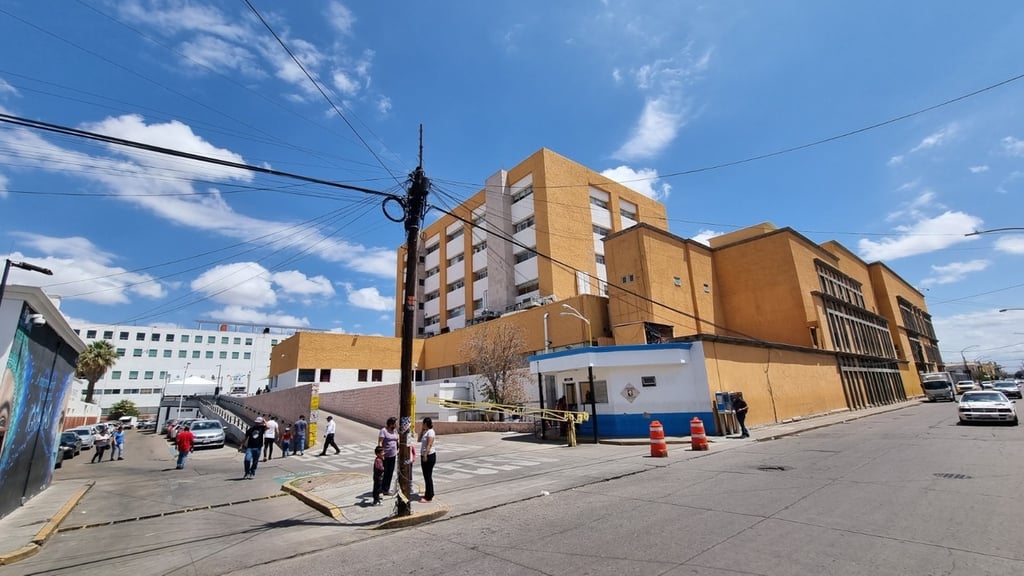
<point>950,476</point>
<point>773,468</point>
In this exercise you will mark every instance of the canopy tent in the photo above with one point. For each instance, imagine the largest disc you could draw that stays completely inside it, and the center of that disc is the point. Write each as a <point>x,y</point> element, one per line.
<point>192,385</point>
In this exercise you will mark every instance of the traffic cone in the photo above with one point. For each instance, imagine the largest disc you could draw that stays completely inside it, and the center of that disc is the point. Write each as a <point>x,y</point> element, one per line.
<point>659,449</point>
<point>698,440</point>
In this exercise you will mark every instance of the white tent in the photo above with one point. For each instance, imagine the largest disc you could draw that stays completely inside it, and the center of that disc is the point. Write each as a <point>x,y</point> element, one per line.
<point>192,385</point>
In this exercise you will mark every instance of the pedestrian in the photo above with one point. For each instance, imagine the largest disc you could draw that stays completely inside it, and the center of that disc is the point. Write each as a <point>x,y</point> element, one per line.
<point>428,457</point>
<point>286,439</point>
<point>563,426</point>
<point>100,443</point>
<point>388,440</point>
<point>252,446</point>
<point>268,438</point>
<point>117,444</point>
<point>378,473</point>
<point>739,405</point>
<point>183,441</point>
<point>329,437</point>
<point>300,436</point>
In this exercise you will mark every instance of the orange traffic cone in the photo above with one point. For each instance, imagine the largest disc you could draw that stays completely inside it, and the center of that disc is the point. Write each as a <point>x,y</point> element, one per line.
<point>659,449</point>
<point>698,440</point>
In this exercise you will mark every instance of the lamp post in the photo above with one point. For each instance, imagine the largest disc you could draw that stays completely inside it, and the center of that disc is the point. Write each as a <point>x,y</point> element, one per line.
<point>1009,309</point>
<point>590,365</point>
<point>181,394</point>
<point>964,358</point>
<point>218,380</point>
<point>8,263</point>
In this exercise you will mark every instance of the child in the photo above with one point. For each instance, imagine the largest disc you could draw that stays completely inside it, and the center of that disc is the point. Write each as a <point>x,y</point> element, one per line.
<point>286,439</point>
<point>378,474</point>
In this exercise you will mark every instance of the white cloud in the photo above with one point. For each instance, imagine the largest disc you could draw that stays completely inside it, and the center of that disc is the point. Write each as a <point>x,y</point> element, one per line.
<point>936,139</point>
<point>245,282</point>
<point>219,54</point>
<point>1013,146</point>
<point>704,236</point>
<point>4,183</point>
<point>1011,244</point>
<point>907,186</point>
<point>617,76</point>
<point>989,333</point>
<point>954,272</point>
<point>293,282</point>
<point>6,88</point>
<point>923,236</point>
<point>644,181</point>
<point>81,271</point>
<point>657,127</point>
<point>345,84</point>
<point>369,298</point>
<point>978,169</point>
<point>237,313</point>
<point>384,105</point>
<point>914,208</point>
<point>895,160</point>
<point>340,17</point>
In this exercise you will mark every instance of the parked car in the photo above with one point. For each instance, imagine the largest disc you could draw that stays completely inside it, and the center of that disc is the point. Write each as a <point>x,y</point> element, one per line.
<point>85,433</point>
<point>1008,387</point>
<point>179,426</point>
<point>169,425</point>
<point>71,443</point>
<point>986,406</point>
<point>207,433</point>
<point>938,386</point>
<point>965,385</point>
<point>59,458</point>
<point>145,425</point>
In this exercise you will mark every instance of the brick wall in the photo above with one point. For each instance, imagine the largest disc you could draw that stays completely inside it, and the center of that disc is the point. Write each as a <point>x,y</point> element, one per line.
<point>285,405</point>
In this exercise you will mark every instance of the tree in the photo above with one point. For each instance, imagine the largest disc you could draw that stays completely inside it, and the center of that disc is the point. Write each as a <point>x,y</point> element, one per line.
<point>496,354</point>
<point>93,363</point>
<point>123,408</point>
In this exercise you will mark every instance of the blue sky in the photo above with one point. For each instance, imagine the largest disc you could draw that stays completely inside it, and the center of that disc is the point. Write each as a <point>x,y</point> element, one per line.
<point>639,90</point>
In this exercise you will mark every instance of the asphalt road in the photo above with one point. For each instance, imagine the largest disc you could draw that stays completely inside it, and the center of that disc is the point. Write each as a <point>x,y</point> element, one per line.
<point>906,492</point>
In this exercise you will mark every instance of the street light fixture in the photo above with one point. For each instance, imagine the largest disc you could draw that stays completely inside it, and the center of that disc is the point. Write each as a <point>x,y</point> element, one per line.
<point>979,232</point>
<point>8,263</point>
<point>1009,309</point>
<point>590,367</point>
<point>964,358</point>
<point>181,394</point>
<point>574,312</point>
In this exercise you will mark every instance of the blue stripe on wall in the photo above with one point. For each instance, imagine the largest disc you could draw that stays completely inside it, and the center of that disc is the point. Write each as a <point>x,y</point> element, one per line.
<point>639,426</point>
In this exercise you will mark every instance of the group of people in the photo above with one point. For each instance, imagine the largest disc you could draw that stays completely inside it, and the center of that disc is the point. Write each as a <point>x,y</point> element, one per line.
<point>108,437</point>
<point>263,434</point>
<point>386,459</point>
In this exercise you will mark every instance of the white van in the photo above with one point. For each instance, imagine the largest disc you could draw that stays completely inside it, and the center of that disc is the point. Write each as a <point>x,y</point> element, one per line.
<point>938,386</point>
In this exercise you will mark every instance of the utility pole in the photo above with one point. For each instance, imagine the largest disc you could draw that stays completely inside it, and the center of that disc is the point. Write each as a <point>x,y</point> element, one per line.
<point>415,205</point>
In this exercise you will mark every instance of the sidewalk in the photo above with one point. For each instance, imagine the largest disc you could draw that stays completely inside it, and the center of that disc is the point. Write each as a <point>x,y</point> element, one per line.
<point>344,496</point>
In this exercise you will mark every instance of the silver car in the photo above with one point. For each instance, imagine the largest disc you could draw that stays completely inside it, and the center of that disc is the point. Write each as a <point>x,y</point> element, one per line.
<point>207,433</point>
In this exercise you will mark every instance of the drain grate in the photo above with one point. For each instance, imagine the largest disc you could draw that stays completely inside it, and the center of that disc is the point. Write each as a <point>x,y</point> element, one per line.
<point>773,468</point>
<point>950,476</point>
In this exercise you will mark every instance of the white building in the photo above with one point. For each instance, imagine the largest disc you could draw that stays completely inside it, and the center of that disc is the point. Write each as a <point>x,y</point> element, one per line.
<point>236,356</point>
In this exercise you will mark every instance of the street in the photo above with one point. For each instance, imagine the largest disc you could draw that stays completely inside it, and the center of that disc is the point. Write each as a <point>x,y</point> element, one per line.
<point>904,492</point>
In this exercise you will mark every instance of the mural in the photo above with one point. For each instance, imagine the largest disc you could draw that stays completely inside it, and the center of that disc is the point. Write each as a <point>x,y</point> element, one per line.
<point>33,394</point>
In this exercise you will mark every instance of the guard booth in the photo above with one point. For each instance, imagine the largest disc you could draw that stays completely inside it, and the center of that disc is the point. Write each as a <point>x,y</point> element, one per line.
<point>725,416</point>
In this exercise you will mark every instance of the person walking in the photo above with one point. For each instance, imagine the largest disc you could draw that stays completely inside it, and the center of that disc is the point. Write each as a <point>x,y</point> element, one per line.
<point>117,444</point>
<point>269,435</point>
<point>428,457</point>
<point>329,437</point>
<point>286,440</point>
<point>252,446</point>
<point>183,441</point>
<point>378,474</point>
<point>388,440</point>
<point>100,443</point>
<point>740,406</point>
<point>300,436</point>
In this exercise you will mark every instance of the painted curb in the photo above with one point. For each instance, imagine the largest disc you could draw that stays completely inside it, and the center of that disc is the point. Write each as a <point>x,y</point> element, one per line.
<point>47,530</point>
<point>19,554</point>
<point>316,502</point>
<point>413,519</point>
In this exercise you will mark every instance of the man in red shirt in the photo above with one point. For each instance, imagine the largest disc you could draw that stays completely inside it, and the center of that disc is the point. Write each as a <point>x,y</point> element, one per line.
<point>183,441</point>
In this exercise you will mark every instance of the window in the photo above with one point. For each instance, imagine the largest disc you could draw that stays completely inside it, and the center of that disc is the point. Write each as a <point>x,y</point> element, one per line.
<point>479,247</point>
<point>480,274</point>
<point>169,338</point>
<point>155,337</point>
<point>524,256</point>
<point>236,341</point>
<point>210,339</point>
<point>147,375</point>
<point>108,334</point>
<point>247,356</point>
<point>599,258</point>
<point>456,285</point>
<point>457,311</point>
<point>361,377</point>
<point>627,213</point>
<point>224,339</point>
<point>90,333</point>
<point>457,233</point>
<point>248,341</point>
<point>627,278</point>
<point>209,354</point>
<point>273,342</point>
<point>431,320</point>
<point>133,375</point>
<point>140,336</point>
<point>522,194</point>
<point>152,352</point>
<point>648,381</point>
<point>600,392</point>
<point>432,248</point>
<point>195,353</point>
<point>456,259</point>
<point>114,391</point>
<point>432,295</point>
<point>307,374</point>
<point>325,374</point>
<point>601,231</point>
<point>223,355</point>
<point>137,353</point>
<point>163,374</point>
<point>167,353</point>
<point>184,338</point>
<point>527,287</point>
<point>433,271</point>
<point>377,376</point>
<point>478,304</point>
<point>599,202</point>
<point>120,352</point>
<point>182,353</point>
<point>122,336</point>
<point>115,375</point>
<point>234,355</point>
<point>523,224</point>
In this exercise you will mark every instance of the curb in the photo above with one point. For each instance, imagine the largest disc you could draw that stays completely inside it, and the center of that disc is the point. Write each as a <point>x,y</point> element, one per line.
<point>852,416</point>
<point>315,502</point>
<point>48,529</point>
<point>412,519</point>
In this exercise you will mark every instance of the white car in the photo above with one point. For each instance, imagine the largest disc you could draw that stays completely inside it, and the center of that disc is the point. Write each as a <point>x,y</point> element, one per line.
<point>85,433</point>
<point>965,385</point>
<point>986,406</point>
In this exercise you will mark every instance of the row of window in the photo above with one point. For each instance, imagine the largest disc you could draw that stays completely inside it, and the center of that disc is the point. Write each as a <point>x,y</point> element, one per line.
<point>134,374</point>
<point>153,353</point>
<point>528,191</point>
<point>101,392</point>
<point>156,337</point>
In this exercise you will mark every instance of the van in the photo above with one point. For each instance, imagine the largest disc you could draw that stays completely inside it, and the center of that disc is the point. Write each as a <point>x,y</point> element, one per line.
<point>938,386</point>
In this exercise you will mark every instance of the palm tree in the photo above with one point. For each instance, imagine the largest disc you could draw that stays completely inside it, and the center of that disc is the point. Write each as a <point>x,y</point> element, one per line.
<point>94,362</point>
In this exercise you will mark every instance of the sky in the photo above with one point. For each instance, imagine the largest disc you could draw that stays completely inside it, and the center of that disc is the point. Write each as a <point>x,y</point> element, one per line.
<point>894,128</point>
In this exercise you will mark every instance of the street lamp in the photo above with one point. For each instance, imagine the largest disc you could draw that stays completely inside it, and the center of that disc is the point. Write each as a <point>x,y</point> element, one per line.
<point>590,366</point>
<point>218,379</point>
<point>1009,309</point>
<point>574,312</point>
<point>24,266</point>
<point>964,358</point>
<point>977,232</point>
<point>181,394</point>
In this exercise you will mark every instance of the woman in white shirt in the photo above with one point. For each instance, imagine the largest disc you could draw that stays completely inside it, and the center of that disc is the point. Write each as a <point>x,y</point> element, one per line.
<point>427,458</point>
